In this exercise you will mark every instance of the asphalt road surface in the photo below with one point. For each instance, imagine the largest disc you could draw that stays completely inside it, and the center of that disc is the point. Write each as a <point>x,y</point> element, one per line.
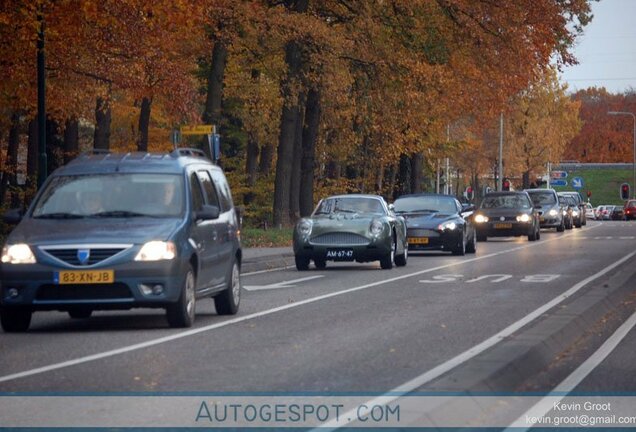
<point>349,328</point>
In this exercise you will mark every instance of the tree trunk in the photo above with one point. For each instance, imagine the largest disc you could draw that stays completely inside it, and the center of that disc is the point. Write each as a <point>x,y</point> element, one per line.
<point>526,179</point>
<point>404,175</point>
<point>282,183</point>
<point>265,161</point>
<point>102,124</point>
<point>32,154</point>
<point>294,186</point>
<point>417,162</point>
<point>71,139</point>
<point>307,165</point>
<point>10,168</point>
<point>333,170</point>
<point>251,161</point>
<point>144,122</point>
<point>54,146</point>
<point>216,74</point>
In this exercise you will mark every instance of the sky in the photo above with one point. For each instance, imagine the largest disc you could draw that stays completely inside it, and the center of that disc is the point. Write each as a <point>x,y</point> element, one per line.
<point>607,49</point>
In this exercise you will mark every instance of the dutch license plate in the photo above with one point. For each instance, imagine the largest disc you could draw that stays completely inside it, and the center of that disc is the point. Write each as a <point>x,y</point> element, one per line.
<point>340,254</point>
<point>418,240</point>
<point>503,225</point>
<point>84,277</point>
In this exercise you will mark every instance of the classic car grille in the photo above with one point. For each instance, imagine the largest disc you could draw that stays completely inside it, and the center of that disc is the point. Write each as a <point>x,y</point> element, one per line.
<point>69,256</point>
<point>83,292</point>
<point>418,232</point>
<point>339,238</point>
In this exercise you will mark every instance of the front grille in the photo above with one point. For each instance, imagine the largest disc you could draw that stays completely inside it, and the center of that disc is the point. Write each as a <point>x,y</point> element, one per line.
<point>83,292</point>
<point>340,238</point>
<point>418,232</point>
<point>69,256</point>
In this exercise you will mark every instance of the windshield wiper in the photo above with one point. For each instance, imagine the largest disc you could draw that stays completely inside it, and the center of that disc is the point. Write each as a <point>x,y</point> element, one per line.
<point>345,211</point>
<point>119,213</point>
<point>424,210</point>
<point>60,215</point>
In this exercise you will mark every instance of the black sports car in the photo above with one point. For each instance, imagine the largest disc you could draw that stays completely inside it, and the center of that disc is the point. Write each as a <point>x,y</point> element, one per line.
<point>504,214</point>
<point>437,222</point>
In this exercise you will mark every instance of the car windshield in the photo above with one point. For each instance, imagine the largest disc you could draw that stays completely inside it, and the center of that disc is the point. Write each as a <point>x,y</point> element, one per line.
<point>567,200</point>
<point>542,198</point>
<point>440,204</point>
<point>350,205</point>
<point>631,204</point>
<point>111,195</point>
<point>505,201</point>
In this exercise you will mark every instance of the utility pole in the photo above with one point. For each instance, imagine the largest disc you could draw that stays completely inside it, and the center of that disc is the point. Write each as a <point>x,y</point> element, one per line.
<point>500,169</point>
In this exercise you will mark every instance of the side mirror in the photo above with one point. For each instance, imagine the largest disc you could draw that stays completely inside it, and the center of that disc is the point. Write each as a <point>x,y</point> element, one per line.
<point>12,216</point>
<point>208,212</point>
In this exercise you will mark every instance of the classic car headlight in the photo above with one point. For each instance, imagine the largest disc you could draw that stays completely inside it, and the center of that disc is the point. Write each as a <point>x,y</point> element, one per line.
<point>523,218</point>
<point>447,226</point>
<point>481,218</point>
<point>376,227</point>
<point>156,251</point>
<point>18,254</point>
<point>305,226</point>
<point>553,212</point>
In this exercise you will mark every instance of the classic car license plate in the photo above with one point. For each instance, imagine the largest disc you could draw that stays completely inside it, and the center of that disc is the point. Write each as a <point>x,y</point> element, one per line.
<point>503,225</point>
<point>418,240</point>
<point>340,254</point>
<point>84,277</point>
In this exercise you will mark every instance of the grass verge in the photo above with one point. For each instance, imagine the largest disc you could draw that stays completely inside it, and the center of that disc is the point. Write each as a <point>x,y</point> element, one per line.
<point>273,237</point>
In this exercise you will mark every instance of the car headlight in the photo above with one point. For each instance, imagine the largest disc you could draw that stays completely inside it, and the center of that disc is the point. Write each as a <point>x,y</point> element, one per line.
<point>523,218</point>
<point>156,251</point>
<point>575,212</point>
<point>481,218</point>
<point>305,226</point>
<point>553,212</point>
<point>376,227</point>
<point>18,254</point>
<point>447,226</point>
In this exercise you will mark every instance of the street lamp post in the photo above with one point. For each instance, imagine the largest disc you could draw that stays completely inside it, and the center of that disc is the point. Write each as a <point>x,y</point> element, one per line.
<point>634,161</point>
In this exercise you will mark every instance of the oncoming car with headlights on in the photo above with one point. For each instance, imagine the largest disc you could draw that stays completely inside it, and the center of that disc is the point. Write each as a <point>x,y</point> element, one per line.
<point>437,222</point>
<point>118,231</point>
<point>546,202</point>
<point>358,228</point>
<point>506,214</point>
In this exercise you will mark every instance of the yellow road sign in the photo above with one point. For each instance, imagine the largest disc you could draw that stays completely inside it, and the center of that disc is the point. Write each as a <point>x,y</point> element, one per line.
<point>196,130</point>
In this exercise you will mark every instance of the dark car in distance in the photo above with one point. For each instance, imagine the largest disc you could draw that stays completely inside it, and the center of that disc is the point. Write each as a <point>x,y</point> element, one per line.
<point>118,231</point>
<point>629,209</point>
<point>437,222</point>
<point>505,214</point>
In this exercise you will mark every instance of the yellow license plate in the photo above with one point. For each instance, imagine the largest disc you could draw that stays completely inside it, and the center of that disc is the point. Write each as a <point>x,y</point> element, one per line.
<point>418,240</point>
<point>503,225</point>
<point>541,219</point>
<point>84,277</point>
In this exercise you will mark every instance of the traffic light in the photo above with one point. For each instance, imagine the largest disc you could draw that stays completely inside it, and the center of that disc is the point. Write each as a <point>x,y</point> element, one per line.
<point>625,191</point>
<point>589,194</point>
<point>505,185</point>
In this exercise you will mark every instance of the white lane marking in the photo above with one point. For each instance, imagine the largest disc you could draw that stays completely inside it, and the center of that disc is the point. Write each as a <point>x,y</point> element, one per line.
<point>443,278</point>
<point>496,278</point>
<point>228,322</point>
<point>284,284</point>
<point>267,271</point>
<point>541,408</point>
<point>540,278</point>
<point>441,369</point>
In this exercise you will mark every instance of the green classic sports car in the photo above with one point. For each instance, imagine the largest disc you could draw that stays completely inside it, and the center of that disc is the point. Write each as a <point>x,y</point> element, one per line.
<point>358,228</point>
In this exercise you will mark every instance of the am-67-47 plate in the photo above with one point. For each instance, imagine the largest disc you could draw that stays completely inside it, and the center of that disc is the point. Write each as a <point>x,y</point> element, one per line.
<point>340,254</point>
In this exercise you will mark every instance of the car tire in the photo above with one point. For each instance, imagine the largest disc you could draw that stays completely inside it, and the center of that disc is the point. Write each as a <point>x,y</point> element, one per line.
<point>302,263</point>
<point>181,314</point>
<point>533,236</point>
<point>227,303</point>
<point>320,264</point>
<point>80,313</point>
<point>387,261</point>
<point>401,260</point>
<point>15,320</point>
<point>578,225</point>
<point>471,247</point>
<point>460,250</point>
<point>561,227</point>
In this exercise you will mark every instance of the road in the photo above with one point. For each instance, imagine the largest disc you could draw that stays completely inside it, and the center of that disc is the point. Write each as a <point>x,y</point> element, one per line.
<point>348,328</point>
